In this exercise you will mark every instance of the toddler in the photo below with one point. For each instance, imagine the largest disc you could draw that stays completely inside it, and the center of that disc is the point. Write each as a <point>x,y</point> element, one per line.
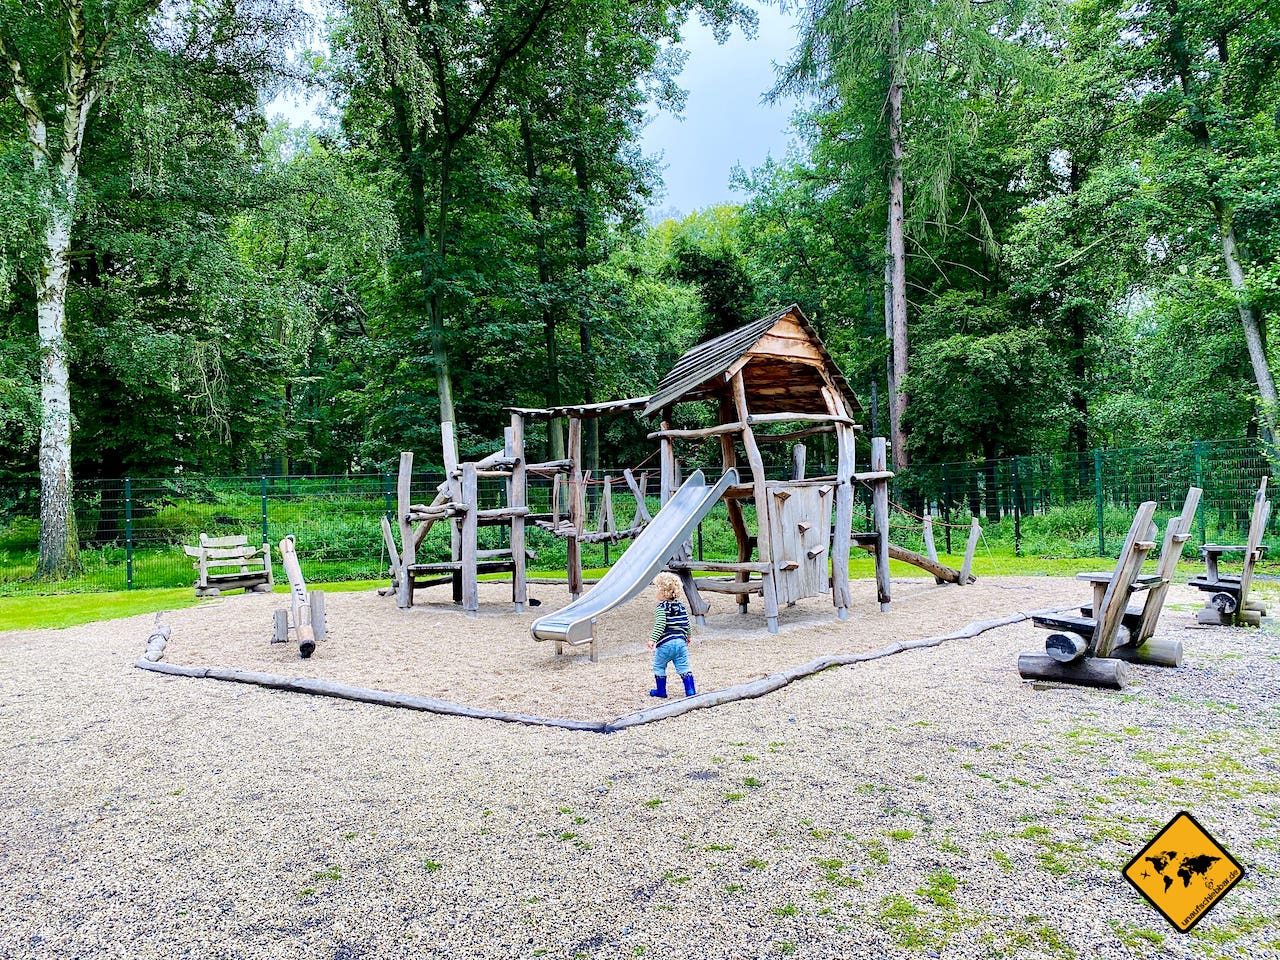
<point>670,638</point>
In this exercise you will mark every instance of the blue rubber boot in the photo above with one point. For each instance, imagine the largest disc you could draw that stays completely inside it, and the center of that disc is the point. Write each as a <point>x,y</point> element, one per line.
<point>661,689</point>
<point>689,690</point>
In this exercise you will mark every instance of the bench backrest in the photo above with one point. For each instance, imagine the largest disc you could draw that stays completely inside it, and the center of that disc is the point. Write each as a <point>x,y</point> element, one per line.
<point>1110,612</point>
<point>1257,527</point>
<point>1176,534</point>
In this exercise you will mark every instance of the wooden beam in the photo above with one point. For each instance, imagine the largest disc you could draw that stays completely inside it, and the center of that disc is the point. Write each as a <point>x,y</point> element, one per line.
<point>698,433</point>
<point>763,506</point>
<point>880,511</point>
<point>518,499</point>
<point>408,546</point>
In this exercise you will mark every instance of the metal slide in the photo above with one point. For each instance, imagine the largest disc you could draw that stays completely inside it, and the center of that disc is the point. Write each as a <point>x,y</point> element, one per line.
<point>646,558</point>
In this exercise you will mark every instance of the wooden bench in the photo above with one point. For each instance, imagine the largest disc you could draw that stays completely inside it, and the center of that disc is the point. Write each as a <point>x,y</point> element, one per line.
<point>1229,602</point>
<point>1141,620</point>
<point>1079,650</point>
<point>253,563</point>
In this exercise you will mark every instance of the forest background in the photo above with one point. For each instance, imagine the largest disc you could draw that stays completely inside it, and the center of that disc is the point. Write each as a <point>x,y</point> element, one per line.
<point>1020,227</point>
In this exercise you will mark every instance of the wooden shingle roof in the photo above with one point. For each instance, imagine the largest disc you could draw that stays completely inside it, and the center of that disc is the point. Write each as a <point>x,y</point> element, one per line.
<point>785,370</point>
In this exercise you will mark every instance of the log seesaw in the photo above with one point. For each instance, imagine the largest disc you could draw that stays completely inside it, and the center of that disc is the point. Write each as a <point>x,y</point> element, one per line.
<point>305,616</point>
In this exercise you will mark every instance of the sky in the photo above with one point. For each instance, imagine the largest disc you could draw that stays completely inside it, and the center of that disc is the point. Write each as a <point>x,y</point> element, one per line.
<point>724,121</point>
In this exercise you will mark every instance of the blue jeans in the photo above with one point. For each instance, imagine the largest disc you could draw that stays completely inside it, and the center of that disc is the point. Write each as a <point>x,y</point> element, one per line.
<point>673,651</point>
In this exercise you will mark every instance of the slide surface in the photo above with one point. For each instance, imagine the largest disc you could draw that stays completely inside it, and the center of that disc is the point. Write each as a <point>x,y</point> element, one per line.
<point>646,558</point>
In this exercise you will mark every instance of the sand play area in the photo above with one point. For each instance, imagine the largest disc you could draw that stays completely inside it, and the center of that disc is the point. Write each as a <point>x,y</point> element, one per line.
<point>491,661</point>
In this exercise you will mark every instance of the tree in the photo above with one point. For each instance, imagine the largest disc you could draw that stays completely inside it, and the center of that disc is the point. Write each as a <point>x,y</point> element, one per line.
<point>62,60</point>
<point>902,75</point>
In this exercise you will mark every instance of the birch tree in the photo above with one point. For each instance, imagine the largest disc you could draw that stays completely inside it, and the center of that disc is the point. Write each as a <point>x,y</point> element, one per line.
<point>60,58</point>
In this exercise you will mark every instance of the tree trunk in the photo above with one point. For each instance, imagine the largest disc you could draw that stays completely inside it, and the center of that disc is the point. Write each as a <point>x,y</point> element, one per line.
<point>898,259</point>
<point>891,380</point>
<point>591,427</point>
<point>59,546</point>
<point>1254,335</point>
<point>439,349</point>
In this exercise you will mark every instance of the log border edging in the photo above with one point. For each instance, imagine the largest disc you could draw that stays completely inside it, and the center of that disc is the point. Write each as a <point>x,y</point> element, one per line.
<point>713,698</point>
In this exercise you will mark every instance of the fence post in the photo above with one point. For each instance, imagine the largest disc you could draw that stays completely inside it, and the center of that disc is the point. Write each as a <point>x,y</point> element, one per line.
<point>386,497</point>
<point>1097,491</point>
<point>946,505</point>
<point>699,541</point>
<point>263,491</point>
<point>128,534</point>
<point>1198,447</point>
<point>1017,509</point>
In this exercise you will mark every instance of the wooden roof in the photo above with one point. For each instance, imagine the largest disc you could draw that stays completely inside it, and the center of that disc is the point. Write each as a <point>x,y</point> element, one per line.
<point>783,362</point>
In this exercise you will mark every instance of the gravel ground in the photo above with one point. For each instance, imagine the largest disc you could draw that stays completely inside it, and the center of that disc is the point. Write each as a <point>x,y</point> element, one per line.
<point>929,804</point>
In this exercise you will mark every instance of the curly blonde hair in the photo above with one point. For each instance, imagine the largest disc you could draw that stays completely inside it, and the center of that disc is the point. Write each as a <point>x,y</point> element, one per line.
<point>667,585</point>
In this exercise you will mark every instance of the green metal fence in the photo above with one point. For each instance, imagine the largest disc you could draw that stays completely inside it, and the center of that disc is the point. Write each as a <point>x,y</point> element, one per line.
<point>131,531</point>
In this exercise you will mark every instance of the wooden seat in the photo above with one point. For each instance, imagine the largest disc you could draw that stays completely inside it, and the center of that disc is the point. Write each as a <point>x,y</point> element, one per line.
<point>1230,601</point>
<point>254,565</point>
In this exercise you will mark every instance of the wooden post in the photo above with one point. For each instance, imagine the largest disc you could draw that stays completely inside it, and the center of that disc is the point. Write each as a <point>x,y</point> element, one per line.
<point>880,511</point>
<point>573,547</point>
<point>666,482</point>
<point>518,498</point>
<point>930,550</point>
<point>469,535</point>
<point>764,508</point>
<point>798,456</point>
<point>409,553</point>
<point>975,531</point>
<point>841,596</point>
<point>729,456</point>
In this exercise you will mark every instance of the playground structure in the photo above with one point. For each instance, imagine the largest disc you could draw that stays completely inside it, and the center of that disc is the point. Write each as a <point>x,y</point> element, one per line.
<point>771,381</point>
<point>1229,601</point>
<point>254,565</point>
<point>1093,648</point>
<point>305,616</point>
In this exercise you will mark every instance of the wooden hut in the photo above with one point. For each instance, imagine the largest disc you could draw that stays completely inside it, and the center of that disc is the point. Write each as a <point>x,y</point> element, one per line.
<point>776,372</point>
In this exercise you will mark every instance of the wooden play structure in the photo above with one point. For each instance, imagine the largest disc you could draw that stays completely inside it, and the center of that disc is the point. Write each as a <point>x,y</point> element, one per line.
<point>771,381</point>
<point>1229,601</point>
<point>215,553</point>
<point>1093,648</point>
<point>305,617</point>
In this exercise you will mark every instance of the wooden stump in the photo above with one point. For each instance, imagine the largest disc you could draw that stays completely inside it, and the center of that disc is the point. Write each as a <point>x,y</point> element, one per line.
<point>1158,652</point>
<point>1224,602</point>
<point>318,627</point>
<point>280,626</point>
<point>1102,672</point>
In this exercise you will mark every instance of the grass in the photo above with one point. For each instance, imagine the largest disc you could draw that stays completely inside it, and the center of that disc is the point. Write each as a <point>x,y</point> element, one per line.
<point>70,610</point>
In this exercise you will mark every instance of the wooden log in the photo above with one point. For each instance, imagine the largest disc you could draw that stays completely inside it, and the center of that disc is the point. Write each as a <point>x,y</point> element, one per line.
<point>696,433</point>
<point>1102,672</point>
<point>763,507</point>
<point>941,572</point>
<point>319,623</point>
<point>1157,652</point>
<point>1251,618</point>
<point>841,594</point>
<point>518,498</point>
<point>577,507</point>
<point>737,520</point>
<point>1224,602</point>
<point>547,466</point>
<point>710,585</point>
<point>666,484</point>
<point>880,514</point>
<point>638,490</point>
<point>758,418</point>
<point>280,626</point>
<point>799,453</point>
<point>1065,647</point>
<point>468,536</point>
<point>409,547</point>
<point>975,531</point>
<point>793,435</point>
<point>871,476</point>
<point>931,551</point>
<point>719,566</point>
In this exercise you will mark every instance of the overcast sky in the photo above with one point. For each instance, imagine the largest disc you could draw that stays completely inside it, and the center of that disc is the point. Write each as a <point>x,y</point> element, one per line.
<point>724,121</point>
